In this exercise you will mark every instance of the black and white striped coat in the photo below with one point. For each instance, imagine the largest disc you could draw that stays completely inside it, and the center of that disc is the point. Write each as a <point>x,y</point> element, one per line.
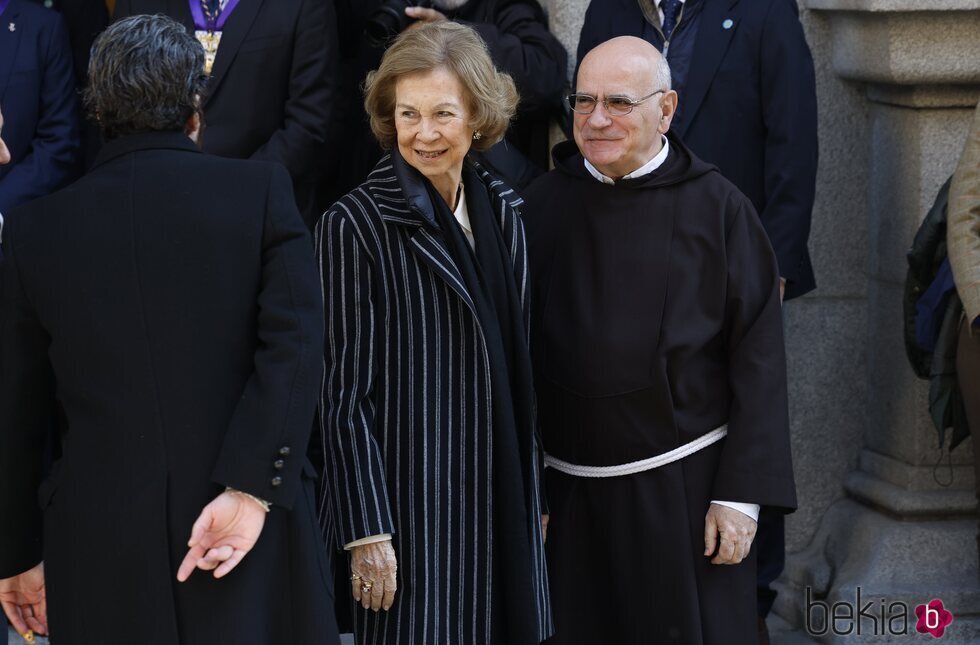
<point>406,412</point>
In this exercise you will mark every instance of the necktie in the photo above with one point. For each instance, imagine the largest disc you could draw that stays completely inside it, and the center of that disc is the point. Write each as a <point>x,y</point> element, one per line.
<point>671,9</point>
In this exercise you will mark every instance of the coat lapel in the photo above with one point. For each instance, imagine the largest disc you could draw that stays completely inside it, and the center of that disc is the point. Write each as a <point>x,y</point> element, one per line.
<point>414,210</point>
<point>710,47</point>
<point>232,37</point>
<point>9,40</point>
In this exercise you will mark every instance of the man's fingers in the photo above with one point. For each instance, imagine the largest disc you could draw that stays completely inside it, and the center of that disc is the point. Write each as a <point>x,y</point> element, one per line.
<point>215,557</point>
<point>710,535</point>
<point>189,563</point>
<point>15,616</point>
<point>237,555</point>
<point>726,550</point>
<point>35,625</point>
<point>41,611</point>
<point>200,526</point>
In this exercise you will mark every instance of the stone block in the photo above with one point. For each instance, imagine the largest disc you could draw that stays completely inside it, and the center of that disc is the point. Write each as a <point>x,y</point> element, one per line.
<point>826,354</point>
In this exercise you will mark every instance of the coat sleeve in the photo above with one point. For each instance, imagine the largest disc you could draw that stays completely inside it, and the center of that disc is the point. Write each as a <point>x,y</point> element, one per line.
<point>522,46</point>
<point>55,151</point>
<point>789,109</point>
<point>26,415</point>
<point>312,84</point>
<point>963,217</point>
<point>265,447</point>
<point>355,472</point>
<point>756,464</point>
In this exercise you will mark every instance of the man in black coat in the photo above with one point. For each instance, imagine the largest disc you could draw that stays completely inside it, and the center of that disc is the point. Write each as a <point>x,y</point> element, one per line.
<point>164,314</point>
<point>744,75</point>
<point>271,87</point>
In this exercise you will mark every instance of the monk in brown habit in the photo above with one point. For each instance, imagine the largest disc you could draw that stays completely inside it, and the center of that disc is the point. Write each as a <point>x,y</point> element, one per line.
<point>660,370</point>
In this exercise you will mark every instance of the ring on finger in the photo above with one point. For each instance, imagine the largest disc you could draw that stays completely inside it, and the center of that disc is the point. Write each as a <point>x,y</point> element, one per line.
<point>354,577</point>
<point>366,587</point>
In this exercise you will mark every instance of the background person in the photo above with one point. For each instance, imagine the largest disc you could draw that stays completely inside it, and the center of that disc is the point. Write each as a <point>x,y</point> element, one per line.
<point>428,406</point>
<point>37,95</point>
<point>272,82</point>
<point>963,246</point>
<point>163,312</point>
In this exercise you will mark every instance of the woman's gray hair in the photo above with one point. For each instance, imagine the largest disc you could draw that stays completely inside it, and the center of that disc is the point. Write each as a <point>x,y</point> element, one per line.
<point>490,94</point>
<point>145,73</point>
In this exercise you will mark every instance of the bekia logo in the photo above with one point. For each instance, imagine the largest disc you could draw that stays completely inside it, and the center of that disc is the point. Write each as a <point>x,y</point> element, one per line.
<point>876,617</point>
<point>933,619</point>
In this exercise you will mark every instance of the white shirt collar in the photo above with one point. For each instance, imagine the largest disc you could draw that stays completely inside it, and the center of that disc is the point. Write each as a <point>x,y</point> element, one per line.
<point>462,215</point>
<point>645,169</point>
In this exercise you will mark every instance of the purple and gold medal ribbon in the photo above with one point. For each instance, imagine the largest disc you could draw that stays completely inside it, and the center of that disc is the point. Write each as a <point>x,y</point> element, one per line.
<point>208,22</point>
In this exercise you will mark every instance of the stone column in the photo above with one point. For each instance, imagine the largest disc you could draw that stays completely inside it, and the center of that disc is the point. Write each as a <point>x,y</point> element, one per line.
<point>897,533</point>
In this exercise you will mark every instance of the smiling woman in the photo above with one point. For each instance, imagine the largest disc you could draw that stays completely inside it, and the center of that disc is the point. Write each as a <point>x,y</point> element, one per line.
<point>428,406</point>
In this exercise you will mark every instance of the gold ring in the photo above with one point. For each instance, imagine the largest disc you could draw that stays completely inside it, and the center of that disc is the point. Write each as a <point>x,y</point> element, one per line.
<point>366,587</point>
<point>354,576</point>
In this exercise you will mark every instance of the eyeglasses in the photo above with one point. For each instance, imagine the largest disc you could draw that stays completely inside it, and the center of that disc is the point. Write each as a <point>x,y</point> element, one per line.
<point>615,105</point>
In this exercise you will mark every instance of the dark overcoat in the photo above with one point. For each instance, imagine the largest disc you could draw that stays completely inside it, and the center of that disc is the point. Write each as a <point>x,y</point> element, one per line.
<point>164,313</point>
<point>406,409</point>
<point>271,92</point>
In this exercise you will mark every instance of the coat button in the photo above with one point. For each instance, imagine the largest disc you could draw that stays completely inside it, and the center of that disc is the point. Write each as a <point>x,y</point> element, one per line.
<point>278,464</point>
<point>284,451</point>
<point>277,481</point>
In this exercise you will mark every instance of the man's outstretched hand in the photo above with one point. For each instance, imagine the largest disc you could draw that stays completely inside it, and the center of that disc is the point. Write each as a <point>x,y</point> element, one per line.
<point>23,600</point>
<point>222,536</point>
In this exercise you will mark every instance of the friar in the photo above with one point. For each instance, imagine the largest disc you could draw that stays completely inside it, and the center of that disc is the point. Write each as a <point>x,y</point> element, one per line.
<point>660,370</point>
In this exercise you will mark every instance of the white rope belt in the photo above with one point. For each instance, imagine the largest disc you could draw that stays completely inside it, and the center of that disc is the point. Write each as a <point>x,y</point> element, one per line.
<point>634,467</point>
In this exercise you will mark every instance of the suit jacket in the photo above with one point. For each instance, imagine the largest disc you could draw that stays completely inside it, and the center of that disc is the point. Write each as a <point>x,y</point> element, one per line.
<point>37,97</point>
<point>749,107</point>
<point>406,410</point>
<point>272,86</point>
<point>168,304</point>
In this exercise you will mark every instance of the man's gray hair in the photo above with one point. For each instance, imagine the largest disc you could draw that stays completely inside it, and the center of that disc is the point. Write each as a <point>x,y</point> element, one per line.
<point>663,73</point>
<point>146,73</point>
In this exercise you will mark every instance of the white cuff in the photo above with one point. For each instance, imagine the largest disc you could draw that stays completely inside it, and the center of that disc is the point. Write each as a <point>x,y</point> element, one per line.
<point>371,539</point>
<point>752,510</point>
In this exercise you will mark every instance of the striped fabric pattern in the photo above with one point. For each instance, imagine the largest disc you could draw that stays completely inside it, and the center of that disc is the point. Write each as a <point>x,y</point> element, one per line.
<point>406,414</point>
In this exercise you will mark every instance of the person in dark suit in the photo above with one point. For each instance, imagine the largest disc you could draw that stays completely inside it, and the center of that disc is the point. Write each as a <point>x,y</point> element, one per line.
<point>271,87</point>
<point>85,20</point>
<point>745,78</point>
<point>164,313</point>
<point>37,95</point>
<point>433,469</point>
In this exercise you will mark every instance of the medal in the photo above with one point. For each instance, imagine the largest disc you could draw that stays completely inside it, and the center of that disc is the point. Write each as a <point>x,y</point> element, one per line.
<point>210,41</point>
<point>209,21</point>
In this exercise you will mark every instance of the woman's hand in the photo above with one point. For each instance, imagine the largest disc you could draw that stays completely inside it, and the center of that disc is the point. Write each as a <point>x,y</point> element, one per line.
<point>374,575</point>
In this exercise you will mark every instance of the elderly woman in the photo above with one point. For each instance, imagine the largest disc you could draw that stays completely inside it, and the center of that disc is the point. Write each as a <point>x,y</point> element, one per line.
<point>428,408</point>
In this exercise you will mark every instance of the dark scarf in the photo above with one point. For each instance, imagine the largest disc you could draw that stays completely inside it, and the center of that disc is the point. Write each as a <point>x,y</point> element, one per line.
<point>488,274</point>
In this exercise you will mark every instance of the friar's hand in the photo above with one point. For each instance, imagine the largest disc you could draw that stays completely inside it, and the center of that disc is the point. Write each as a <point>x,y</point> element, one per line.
<point>730,531</point>
<point>374,575</point>
<point>544,527</point>
<point>223,534</point>
<point>24,601</point>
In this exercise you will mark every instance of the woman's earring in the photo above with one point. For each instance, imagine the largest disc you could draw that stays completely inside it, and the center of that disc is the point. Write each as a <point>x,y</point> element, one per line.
<point>477,136</point>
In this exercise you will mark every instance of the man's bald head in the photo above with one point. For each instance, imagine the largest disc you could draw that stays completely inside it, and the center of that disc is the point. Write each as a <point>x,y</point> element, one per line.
<point>632,52</point>
<point>630,75</point>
